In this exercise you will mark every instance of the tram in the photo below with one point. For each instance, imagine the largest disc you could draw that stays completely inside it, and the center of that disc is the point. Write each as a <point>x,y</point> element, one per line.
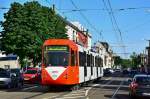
<point>66,63</point>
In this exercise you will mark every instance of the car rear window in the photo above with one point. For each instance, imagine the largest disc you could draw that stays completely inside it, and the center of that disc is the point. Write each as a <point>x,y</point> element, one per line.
<point>4,74</point>
<point>29,71</point>
<point>143,80</point>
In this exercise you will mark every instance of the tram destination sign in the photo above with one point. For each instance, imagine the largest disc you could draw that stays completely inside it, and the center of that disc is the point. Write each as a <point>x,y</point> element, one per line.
<point>56,48</point>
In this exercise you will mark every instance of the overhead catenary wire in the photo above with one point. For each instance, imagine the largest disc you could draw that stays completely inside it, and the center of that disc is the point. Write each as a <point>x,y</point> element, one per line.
<point>111,19</point>
<point>88,22</point>
<point>57,9</point>
<point>102,9</point>
<point>95,9</point>
<point>114,22</point>
<point>86,19</point>
<point>3,8</point>
<point>120,33</point>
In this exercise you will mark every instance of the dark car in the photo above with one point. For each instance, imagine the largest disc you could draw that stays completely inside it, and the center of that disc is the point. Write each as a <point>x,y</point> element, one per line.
<point>107,72</point>
<point>125,71</point>
<point>10,78</point>
<point>18,76</point>
<point>132,73</point>
<point>140,86</point>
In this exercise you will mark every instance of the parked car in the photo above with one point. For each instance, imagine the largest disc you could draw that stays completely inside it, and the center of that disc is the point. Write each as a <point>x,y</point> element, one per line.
<point>132,73</point>
<point>9,79</point>
<point>18,76</point>
<point>139,86</point>
<point>107,71</point>
<point>117,70</point>
<point>32,75</point>
<point>125,72</point>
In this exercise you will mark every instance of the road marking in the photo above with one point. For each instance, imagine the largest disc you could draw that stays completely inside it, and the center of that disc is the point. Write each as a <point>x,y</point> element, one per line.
<point>78,93</point>
<point>24,89</point>
<point>73,94</point>
<point>87,91</point>
<point>117,90</point>
<point>51,97</point>
<point>108,78</point>
<point>81,91</point>
<point>71,97</point>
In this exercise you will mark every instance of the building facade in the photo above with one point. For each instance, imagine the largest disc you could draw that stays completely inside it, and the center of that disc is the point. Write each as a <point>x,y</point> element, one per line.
<point>106,53</point>
<point>9,61</point>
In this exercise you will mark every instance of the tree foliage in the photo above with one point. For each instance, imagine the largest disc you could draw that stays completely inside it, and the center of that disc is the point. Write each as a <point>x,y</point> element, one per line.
<point>117,60</point>
<point>27,26</point>
<point>135,59</point>
<point>126,63</point>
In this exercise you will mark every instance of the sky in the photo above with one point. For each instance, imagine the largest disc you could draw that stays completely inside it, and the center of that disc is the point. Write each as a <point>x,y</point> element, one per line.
<point>131,17</point>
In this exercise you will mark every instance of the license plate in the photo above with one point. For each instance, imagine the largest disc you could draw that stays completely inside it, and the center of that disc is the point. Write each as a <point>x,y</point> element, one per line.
<point>146,94</point>
<point>26,78</point>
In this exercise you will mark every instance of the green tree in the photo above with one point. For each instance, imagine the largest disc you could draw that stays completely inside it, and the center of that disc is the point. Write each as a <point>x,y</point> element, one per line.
<point>126,63</point>
<point>135,59</point>
<point>27,26</point>
<point>117,60</point>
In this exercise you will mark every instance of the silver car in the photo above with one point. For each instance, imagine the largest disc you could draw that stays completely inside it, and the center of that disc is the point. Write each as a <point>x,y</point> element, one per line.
<point>7,79</point>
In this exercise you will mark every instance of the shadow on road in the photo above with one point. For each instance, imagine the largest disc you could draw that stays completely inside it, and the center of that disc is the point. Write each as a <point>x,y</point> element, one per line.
<point>35,88</point>
<point>118,96</point>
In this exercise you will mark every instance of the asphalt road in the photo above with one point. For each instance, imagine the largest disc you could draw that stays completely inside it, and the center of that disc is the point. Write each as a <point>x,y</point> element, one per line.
<point>113,87</point>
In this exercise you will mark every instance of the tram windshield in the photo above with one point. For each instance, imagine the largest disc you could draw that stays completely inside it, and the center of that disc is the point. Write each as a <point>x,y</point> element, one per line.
<point>56,56</point>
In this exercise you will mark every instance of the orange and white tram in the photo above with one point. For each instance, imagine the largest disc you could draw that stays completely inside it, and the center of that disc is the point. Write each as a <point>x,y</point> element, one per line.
<point>66,63</point>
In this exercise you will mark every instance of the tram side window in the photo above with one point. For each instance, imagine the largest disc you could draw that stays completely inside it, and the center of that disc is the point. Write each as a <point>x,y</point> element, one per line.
<point>101,62</point>
<point>85,59</point>
<point>76,58</point>
<point>96,62</point>
<point>72,58</point>
<point>81,59</point>
<point>88,60</point>
<point>92,60</point>
<point>92,64</point>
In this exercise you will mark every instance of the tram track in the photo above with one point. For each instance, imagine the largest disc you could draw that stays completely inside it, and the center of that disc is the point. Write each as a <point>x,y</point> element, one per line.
<point>83,92</point>
<point>107,82</point>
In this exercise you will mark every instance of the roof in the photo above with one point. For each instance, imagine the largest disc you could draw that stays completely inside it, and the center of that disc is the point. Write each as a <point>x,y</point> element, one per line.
<point>73,26</point>
<point>60,42</point>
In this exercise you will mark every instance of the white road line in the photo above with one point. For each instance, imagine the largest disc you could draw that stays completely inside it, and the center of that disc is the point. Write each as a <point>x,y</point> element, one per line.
<point>24,89</point>
<point>51,97</point>
<point>108,78</point>
<point>87,91</point>
<point>74,94</point>
<point>117,90</point>
<point>81,91</point>
<point>71,97</point>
